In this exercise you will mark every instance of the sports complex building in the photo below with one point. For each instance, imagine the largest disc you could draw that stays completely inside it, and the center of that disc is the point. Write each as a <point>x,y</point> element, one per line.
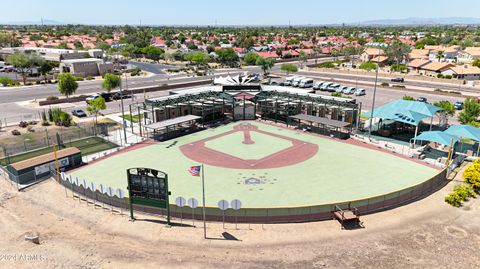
<point>285,153</point>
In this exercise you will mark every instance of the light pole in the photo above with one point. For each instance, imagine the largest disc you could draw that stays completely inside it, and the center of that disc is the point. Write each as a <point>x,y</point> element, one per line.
<point>373,101</point>
<point>123,112</point>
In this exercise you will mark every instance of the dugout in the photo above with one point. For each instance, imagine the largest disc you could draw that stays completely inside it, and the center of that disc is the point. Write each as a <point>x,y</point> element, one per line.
<point>168,129</point>
<point>321,125</point>
<point>40,167</point>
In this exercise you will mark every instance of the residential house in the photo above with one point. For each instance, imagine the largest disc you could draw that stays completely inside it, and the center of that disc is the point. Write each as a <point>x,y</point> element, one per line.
<point>417,64</point>
<point>466,72</point>
<point>468,55</point>
<point>418,54</point>
<point>434,68</point>
<point>449,54</point>
<point>267,54</point>
<point>370,53</point>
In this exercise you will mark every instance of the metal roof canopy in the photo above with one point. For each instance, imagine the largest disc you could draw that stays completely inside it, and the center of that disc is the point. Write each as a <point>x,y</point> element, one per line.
<point>170,122</point>
<point>321,120</point>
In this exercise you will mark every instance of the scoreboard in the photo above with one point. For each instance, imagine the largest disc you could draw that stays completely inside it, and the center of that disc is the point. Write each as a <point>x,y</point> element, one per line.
<point>148,187</point>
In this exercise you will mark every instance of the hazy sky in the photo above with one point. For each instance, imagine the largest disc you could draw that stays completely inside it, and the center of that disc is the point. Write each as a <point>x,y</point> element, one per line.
<point>243,12</point>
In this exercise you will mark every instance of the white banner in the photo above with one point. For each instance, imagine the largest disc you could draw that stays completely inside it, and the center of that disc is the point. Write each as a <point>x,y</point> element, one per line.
<point>45,168</point>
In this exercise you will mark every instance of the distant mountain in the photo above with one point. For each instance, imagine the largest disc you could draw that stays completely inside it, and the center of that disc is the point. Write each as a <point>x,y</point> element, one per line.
<point>39,22</point>
<point>423,21</point>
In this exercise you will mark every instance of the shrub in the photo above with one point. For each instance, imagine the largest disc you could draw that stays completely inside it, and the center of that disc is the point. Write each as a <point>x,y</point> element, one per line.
<point>23,124</point>
<point>472,175</point>
<point>45,123</point>
<point>453,199</point>
<point>30,129</point>
<point>64,119</point>
<point>408,98</point>
<point>464,191</point>
<point>137,71</point>
<point>52,98</point>
<point>368,66</point>
<point>16,132</point>
<point>8,82</point>
<point>385,84</point>
<point>89,78</point>
<point>32,122</point>
<point>79,79</point>
<point>398,86</point>
<point>336,94</point>
<point>327,65</point>
<point>448,76</point>
<point>440,76</point>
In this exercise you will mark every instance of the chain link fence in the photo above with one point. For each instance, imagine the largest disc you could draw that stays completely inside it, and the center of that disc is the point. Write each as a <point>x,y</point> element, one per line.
<point>31,144</point>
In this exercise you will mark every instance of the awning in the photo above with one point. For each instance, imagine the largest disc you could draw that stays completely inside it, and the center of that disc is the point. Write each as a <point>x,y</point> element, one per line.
<point>170,122</point>
<point>321,120</point>
<point>410,112</point>
<point>438,136</point>
<point>466,131</point>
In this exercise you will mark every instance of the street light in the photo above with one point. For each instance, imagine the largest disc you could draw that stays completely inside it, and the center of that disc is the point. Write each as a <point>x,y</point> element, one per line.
<point>373,100</point>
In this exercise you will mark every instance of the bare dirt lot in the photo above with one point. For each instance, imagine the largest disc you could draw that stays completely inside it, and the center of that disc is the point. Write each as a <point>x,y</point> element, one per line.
<point>74,234</point>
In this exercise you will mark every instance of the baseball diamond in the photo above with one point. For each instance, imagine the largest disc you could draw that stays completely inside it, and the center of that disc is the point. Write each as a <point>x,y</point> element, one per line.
<point>267,166</point>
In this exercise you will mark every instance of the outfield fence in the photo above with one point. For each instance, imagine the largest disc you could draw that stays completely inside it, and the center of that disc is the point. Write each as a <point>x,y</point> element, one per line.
<point>81,187</point>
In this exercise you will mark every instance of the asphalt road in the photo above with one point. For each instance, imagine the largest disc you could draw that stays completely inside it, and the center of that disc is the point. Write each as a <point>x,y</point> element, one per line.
<point>444,86</point>
<point>152,68</point>
<point>18,94</point>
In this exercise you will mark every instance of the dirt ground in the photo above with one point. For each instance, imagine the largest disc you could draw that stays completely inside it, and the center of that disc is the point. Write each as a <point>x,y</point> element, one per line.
<point>74,234</point>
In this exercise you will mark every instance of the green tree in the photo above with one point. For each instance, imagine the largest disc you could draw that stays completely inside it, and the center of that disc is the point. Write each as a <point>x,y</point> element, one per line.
<point>397,52</point>
<point>152,52</point>
<point>302,58</point>
<point>95,106</point>
<point>24,63</point>
<point>44,69</point>
<point>448,107</point>
<point>227,56</point>
<point>471,111</point>
<point>289,68</point>
<point>439,55</point>
<point>265,64</point>
<point>67,85</point>
<point>199,58</point>
<point>476,63</point>
<point>9,40</point>
<point>251,58</point>
<point>110,82</point>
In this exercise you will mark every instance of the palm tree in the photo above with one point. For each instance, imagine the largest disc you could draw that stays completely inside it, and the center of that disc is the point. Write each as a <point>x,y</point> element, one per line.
<point>439,55</point>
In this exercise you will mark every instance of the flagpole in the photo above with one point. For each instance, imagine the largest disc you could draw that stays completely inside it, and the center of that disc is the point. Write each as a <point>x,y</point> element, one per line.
<point>203,198</point>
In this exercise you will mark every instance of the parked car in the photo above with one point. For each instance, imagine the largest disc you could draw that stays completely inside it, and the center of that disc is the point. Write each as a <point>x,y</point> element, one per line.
<point>401,80</point>
<point>458,105</point>
<point>325,86</point>
<point>306,83</point>
<point>333,87</point>
<point>296,81</point>
<point>359,92</point>
<point>341,89</point>
<point>318,84</point>
<point>118,96</point>
<point>288,81</point>
<point>422,99</point>
<point>92,97</point>
<point>349,90</point>
<point>79,113</point>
